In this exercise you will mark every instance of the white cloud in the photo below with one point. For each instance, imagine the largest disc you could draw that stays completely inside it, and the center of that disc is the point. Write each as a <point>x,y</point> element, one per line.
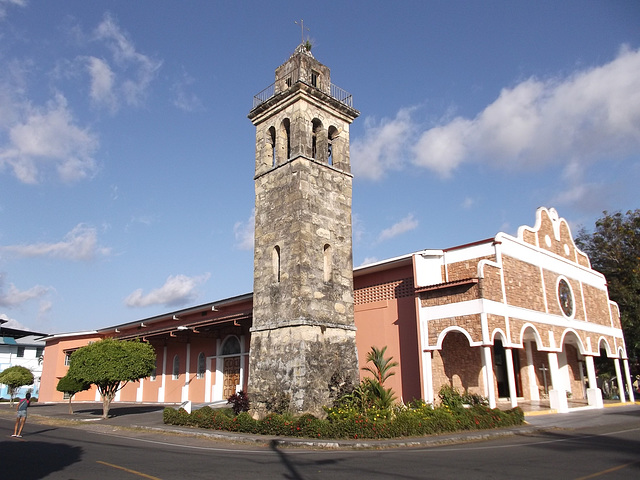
<point>184,99</point>
<point>591,115</point>
<point>81,243</point>
<point>369,261</point>
<point>47,137</point>
<point>468,202</point>
<point>4,4</point>
<point>102,81</point>
<point>244,232</point>
<point>14,297</point>
<point>177,290</point>
<point>407,224</point>
<point>142,68</point>
<point>382,146</point>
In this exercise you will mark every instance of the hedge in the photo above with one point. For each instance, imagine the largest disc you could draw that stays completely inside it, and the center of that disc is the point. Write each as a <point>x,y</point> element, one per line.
<point>404,421</point>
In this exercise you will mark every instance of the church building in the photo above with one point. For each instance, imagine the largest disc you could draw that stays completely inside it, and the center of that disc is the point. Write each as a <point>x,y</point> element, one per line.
<point>514,319</point>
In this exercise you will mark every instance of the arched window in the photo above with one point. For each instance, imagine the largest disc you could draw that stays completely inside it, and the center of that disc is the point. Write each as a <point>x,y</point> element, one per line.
<point>271,140</point>
<point>333,133</point>
<point>231,346</point>
<point>202,365</point>
<point>316,129</point>
<point>275,261</point>
<point>176,367</point>
<point>328,263</point>
<point>286,138</point>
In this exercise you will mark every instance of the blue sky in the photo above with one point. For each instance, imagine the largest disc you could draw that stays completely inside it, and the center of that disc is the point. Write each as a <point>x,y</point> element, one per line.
<point>126,155</point>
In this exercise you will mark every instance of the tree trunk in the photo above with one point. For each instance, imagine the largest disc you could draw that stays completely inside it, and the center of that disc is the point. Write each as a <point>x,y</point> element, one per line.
<point>106,403</point>
<point>70,409</point>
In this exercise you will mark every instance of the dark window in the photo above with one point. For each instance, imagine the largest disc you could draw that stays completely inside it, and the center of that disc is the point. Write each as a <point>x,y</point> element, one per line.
<point>565,297</point>
<point>176,367</point>
<point>275,260</point>
<point>231,346</point>
<point>20,351</point>
<point>202,365</point>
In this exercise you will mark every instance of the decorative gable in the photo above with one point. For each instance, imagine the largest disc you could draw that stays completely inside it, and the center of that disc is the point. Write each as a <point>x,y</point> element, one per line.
<point>552,233</point>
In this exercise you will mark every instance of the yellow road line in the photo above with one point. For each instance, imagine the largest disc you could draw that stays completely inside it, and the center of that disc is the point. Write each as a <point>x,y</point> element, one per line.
<point>150,477</point>
<point>609,470</point>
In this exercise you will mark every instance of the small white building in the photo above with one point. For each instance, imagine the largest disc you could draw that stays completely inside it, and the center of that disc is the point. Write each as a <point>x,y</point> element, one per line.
<point>23,348</point>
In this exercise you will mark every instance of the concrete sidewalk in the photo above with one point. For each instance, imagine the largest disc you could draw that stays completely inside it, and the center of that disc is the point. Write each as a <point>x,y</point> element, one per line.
<point>127,417</point>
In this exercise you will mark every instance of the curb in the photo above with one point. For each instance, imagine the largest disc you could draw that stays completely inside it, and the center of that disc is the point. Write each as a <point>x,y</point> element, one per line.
<point>345,444</point>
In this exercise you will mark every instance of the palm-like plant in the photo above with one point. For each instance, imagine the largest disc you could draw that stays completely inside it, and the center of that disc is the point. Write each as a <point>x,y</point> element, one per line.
<point>381,371</point>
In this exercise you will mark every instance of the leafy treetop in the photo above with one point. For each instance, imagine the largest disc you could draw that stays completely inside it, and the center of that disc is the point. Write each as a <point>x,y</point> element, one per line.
<point>15,377</point>
<point>614,250</point>
<point>109,364</point>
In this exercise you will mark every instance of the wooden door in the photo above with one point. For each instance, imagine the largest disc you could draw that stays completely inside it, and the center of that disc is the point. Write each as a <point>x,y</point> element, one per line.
<point>231,376</point>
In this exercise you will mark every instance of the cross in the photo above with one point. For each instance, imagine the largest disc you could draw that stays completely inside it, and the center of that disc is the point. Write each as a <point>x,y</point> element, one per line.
<point>544,371</point>
<point>301,30</point>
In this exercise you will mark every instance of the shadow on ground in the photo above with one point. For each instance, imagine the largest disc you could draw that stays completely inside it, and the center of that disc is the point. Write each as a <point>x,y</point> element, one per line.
<point>35,460</point>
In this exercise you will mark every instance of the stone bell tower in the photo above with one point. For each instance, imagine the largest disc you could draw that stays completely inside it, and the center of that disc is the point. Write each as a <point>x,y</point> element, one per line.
<point>303,343</point>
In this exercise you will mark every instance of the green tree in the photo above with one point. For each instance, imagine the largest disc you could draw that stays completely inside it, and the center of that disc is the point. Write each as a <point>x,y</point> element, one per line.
<point>614,250</point>
<point>381,371</point>
<point>71,386</point>
<point>16,377</point>
<point>110,364</point>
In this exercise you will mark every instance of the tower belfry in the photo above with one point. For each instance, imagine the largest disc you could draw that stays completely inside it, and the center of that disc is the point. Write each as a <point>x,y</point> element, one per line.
<point>303,335</point>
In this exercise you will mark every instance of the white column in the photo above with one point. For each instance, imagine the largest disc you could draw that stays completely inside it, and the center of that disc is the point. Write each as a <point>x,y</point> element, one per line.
<point>487,365</point>
<point>594,394</point>
<point>629,383</point>
<point>427,377</point>
<point>534,391</point>
<point>557,394</point>
<point>218,384</point>
<point>623,398</point>
<point>164,376</point>
<point>187,380</point>
<point>140,391</point>
<point>242,369</point>
<point>207,380</point>
<point>511,378</point>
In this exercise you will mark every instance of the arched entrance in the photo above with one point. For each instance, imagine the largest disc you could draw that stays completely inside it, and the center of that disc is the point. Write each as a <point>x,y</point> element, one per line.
<point>231,356</point>
<point>501,372</point>
<point>572,368</point>
<point>457,364</point>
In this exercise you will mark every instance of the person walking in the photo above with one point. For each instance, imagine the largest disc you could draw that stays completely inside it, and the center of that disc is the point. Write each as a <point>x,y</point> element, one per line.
<point>21,419</point>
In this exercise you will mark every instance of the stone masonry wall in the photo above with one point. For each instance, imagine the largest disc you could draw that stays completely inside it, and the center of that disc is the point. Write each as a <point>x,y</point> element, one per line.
<point>458,365</point>
<point>523,284</point>
<point>305,365</point>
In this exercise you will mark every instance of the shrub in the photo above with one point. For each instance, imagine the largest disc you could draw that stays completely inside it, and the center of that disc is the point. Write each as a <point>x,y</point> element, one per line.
<point>450,397</point>
<point>175,417</point>
<point>474,399</point>
<point>239,402</point>
<point>275,424</point>
<point>416,418</point>
<point>244,422</point>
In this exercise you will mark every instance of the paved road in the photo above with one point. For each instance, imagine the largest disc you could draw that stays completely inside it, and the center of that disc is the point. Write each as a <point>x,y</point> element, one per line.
<point>592,444</point>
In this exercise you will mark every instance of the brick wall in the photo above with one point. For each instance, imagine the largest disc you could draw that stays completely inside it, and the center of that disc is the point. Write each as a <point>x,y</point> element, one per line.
<point>465,269</point>
<point>523,285</point>
<point>597,305</point>
<point>458,364</point>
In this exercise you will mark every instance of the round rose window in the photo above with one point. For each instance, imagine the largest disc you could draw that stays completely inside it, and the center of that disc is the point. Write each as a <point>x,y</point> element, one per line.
<point>565,297</point>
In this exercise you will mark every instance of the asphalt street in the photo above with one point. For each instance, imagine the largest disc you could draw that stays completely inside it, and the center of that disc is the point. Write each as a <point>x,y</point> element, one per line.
<point>135,444</point>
